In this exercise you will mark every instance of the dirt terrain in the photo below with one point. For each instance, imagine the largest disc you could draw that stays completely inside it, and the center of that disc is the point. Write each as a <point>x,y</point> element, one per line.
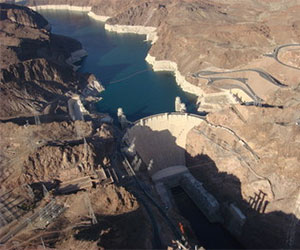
<point>246,153</point>
<point>52,166</point>
<point>250,156</point>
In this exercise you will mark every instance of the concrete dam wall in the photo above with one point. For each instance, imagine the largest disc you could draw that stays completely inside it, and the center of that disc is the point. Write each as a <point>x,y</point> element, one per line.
<point>162,138</point>
<point>160,141</point>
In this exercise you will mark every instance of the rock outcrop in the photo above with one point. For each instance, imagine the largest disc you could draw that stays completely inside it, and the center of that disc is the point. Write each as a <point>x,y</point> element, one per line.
<point>249,156</point>
<point>45,156</point>
<point>35,69</point>
<point>217,46</point>
<point>225,52</point>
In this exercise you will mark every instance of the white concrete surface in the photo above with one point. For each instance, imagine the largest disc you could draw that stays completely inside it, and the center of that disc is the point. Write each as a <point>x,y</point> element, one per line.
<point>162,138</point>
<point>150,32</point>
<point>98,17</point>
<point>61,7</point>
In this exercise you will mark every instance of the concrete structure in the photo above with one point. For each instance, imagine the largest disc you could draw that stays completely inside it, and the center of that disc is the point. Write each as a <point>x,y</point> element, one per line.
<point>76,108</point>
<point>122,118</point>
<point>160,141</point>
<point>162,138</point>
<point>234,220</point>
<point>169,175</point>
<point>180,176</point>
<point>179,106</point>
<point>130,150</point>
<point>208,205</point>
<point>75,57</point>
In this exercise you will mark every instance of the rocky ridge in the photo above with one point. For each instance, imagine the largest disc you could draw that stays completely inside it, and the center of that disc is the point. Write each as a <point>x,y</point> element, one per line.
<point>250,156</point>
<point>42,148</point>
<point>214,36</point>
<point>224,50</point>
<point>35,71</point>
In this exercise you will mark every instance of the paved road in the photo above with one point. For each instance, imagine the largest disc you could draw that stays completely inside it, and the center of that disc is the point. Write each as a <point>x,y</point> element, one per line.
<point>212,80</point>
<point>207,75</point>
<point>276,51</point>
<point>261,72</point>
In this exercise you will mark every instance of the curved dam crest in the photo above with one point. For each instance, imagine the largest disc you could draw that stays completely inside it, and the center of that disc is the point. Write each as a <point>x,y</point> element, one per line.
<point>162,138</point>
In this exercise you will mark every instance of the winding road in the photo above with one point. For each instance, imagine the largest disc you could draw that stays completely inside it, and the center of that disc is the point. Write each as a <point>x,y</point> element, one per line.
<point>211,76</point>
<point>248,90</point>
<point>276,51</point>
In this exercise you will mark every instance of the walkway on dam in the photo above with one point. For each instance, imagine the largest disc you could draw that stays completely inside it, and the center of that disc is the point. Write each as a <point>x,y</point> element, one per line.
<point>162,138</point>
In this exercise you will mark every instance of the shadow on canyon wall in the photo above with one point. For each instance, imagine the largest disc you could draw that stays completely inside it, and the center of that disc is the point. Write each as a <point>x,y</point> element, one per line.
<point>126,231</point>
<point>276,230</point>
<point>262,229</point>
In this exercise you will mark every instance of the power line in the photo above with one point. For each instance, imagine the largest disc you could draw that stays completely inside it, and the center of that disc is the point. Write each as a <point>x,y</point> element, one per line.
<point>129,76</point>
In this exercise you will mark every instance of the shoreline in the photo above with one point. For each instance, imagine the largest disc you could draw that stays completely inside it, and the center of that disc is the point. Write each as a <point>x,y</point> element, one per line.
<point>61,7</point>
<point>166,65</point>
<point>149,31</point>
<point>157,65</point>
<point>98,17</point>
<point>87,9</point>
<point>186,86</point>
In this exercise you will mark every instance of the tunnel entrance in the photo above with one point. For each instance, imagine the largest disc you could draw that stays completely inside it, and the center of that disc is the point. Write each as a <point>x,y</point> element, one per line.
<point>209,235</point>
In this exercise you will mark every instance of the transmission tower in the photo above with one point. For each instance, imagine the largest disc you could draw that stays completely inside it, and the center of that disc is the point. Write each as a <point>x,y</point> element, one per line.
<point>37,120</point>
<point>89,207</point>
<point>29,191</point>
<point>3,221</point>
<point>45,191</point>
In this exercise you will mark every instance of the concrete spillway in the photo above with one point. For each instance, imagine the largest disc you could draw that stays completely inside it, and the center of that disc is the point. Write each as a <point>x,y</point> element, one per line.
<point>162,138</point>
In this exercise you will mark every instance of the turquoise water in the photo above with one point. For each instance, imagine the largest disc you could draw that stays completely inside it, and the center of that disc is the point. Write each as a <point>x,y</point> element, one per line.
<point>118,61</point>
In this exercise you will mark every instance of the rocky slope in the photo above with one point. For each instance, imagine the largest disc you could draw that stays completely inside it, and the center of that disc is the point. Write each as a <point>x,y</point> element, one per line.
<point>41,147</point>
<point>33,68</point>
<point>52,154</point>
<point>204,37</point>
<point>230,50</point>
<point>250,156</point>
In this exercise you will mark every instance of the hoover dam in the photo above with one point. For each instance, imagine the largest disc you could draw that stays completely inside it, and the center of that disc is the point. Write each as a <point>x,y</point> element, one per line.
<point>218,171</point>
<point>161,138</point>
<point>160,141</point>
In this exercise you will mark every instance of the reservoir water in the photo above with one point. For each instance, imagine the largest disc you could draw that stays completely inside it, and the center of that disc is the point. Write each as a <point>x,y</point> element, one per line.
<point>118,61</point>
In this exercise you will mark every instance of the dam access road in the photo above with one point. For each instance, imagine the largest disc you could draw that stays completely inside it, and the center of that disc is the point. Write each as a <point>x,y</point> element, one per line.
<point>230,165</point>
